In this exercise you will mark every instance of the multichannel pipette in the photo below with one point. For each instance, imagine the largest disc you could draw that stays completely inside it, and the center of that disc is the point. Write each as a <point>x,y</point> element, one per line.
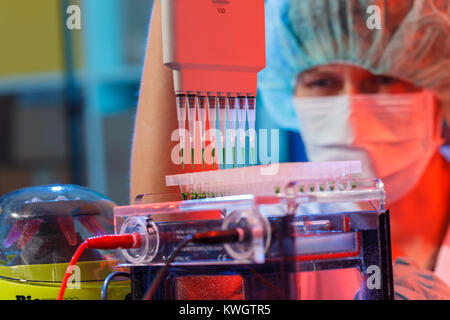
<point>218,70</point>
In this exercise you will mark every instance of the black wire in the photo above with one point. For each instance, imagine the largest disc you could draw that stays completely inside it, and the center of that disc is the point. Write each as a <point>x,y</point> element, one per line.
<point>161,273</point>
<point>109,279</point>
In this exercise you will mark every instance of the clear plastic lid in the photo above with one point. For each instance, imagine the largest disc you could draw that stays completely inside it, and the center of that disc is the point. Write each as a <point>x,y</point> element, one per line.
<point>45,224</point>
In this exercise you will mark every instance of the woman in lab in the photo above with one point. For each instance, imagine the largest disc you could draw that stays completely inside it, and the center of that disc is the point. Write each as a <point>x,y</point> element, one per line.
<point>360,82</point>
<point>370,80</point>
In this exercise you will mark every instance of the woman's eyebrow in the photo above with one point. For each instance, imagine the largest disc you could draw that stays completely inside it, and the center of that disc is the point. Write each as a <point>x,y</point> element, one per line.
<point>315,73</point>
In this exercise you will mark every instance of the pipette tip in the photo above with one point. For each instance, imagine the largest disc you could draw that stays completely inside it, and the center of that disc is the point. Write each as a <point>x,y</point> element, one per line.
<point>233,152</point>
<point>182,158</point>
<point>203,157</point>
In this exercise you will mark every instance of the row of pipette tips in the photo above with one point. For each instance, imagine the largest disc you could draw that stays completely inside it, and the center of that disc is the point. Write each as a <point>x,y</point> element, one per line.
<point>216,106</point>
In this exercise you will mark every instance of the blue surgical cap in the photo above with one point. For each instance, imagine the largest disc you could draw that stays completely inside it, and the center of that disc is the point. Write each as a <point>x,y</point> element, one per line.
<point>412,44</point>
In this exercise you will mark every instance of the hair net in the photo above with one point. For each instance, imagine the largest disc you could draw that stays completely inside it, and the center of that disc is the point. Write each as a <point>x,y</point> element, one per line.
<point>412,44</point>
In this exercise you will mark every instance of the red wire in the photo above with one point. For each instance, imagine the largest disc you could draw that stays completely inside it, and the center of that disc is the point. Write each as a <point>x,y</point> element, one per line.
<point>124,241</point>
<point>68,273</point>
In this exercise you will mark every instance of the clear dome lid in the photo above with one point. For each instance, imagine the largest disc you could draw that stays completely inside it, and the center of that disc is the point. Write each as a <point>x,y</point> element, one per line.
<point>45,224</point>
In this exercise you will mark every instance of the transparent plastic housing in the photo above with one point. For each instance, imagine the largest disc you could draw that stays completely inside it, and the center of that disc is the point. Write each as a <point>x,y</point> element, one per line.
<point>299,235</point>
<point>41,227</point>
<point>171,222</point>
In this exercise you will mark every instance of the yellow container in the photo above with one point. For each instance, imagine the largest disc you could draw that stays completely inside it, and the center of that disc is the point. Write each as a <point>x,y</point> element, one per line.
<point>47,281</point>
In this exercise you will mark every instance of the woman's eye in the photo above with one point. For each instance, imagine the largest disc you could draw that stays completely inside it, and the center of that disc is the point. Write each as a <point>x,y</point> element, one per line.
<point>383,80</point>
<point>321,83</point>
